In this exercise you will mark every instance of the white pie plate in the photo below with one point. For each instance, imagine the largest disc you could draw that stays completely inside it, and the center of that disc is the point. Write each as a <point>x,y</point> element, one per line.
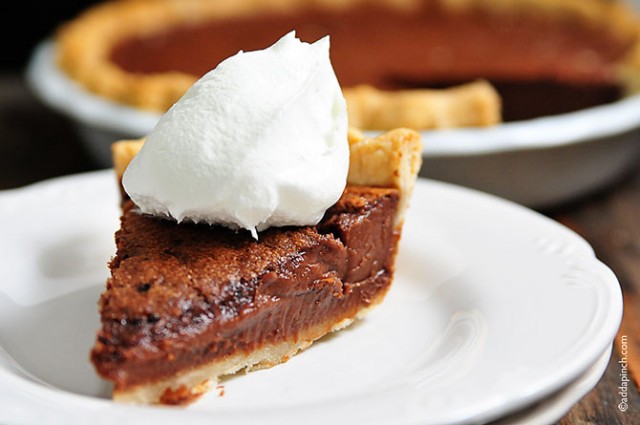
<point>538,163</point>
<point>494,308</point>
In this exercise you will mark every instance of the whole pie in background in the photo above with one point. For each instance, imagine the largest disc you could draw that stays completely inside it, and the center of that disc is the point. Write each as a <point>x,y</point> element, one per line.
<point>414,63</point>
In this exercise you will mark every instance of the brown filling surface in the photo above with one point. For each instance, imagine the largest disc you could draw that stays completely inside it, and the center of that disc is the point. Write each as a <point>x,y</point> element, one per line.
<point>556,65</point>
<point>185,295</point>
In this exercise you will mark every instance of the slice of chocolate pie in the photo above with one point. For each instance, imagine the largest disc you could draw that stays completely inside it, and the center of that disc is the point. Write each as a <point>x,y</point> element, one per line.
<point>253,224</point>
<point>188,303</point>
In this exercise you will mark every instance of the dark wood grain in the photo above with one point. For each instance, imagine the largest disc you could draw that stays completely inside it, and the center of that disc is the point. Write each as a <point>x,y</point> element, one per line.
<point>37,143</point>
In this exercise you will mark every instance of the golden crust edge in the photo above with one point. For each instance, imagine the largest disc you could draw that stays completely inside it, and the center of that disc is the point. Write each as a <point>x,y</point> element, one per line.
<point>475,104</point>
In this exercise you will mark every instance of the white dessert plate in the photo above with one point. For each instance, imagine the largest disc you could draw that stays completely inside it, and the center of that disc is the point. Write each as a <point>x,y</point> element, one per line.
<point>538,163</point>
<point>493,309</point>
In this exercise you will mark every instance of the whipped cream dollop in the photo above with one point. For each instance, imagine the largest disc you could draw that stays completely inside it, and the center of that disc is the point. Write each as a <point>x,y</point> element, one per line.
<point>259,141</point>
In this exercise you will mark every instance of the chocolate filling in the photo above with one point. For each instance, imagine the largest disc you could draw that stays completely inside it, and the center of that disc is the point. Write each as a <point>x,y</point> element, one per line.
<point>540,65</point>
<point>181,296</point>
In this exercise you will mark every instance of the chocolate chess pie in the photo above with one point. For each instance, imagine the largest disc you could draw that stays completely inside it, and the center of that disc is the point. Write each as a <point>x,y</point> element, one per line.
<point>188,303</point>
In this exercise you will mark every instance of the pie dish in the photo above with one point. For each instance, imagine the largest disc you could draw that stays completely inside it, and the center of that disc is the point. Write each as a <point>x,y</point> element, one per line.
<point>187,304</point>
<point>560,55</point>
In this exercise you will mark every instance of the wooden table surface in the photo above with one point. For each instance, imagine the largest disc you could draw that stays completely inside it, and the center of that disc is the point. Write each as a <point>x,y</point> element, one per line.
<point>37,143</point>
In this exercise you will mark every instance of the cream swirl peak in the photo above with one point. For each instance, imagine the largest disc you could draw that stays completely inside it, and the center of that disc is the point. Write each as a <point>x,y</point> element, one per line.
<point>259,141</point>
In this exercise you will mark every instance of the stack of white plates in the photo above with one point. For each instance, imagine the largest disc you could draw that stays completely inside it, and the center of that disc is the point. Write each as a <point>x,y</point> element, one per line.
<point>496,314</point>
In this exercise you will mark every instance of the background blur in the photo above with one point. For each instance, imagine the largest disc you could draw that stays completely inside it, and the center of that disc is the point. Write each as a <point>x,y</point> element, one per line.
<point>35,20</point>
<point>36,142</point>
<point>26,22</point>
